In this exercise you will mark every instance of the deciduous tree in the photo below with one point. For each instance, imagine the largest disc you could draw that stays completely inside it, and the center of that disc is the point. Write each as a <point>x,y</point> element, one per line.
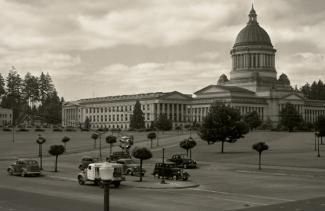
<point>56,150</point>
<point>222,124</point>
<point>141,154</point>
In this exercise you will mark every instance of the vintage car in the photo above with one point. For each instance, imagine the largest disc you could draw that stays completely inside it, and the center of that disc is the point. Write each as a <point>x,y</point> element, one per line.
<point>131,167</point>
<point>24,167</point>
<point>93,174</point>
<point>119,155</point>
<point>182,161</point>
<point>85,161</point>
<point>169,171</point>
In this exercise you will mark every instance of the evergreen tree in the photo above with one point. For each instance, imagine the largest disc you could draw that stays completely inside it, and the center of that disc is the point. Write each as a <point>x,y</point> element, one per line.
<point>222,124</point>
<point>137,119</point>
<point>290,118</point>
<point>13,98</point>
<point>30,89</point>
<point>2,86</point>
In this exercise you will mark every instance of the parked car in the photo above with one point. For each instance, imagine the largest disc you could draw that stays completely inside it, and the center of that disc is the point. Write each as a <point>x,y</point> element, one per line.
<point>131,167</point>
<point>93,174</point>
<point>119,155</point>
<point>24,167</point>
<point>85,161</point>
<point>170,171</point>
<point>182,161</point>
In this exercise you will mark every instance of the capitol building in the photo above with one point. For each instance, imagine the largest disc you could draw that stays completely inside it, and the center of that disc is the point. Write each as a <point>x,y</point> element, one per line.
<point>253,85</point>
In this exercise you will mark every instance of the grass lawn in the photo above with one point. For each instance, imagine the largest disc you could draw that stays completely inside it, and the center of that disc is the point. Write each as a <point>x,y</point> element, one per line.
<point>25,142</point>
<point>285,149</point>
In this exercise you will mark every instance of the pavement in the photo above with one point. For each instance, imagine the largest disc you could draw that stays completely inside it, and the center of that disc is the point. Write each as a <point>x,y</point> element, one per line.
<point>314,204</point>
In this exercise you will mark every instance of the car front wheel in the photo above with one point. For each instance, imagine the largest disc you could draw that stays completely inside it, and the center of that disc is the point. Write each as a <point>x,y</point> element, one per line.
<point>10,172</point>
<point>81,180</point>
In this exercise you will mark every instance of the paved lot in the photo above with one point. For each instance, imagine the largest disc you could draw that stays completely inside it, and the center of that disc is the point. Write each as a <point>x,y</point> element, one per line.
<point>229,181</point>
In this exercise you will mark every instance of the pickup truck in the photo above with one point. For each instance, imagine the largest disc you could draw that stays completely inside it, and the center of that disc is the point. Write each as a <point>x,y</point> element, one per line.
<point>182,161</point>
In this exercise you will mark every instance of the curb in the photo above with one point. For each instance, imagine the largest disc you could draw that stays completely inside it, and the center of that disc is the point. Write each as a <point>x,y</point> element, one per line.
<point>137,184</point>
<point>161,187</point>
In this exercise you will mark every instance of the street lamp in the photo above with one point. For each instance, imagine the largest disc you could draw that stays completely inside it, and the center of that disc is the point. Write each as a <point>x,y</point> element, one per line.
<point>163,167</point>
<point>317,134</point>
<point>106,175</point>
<point>40,142</point>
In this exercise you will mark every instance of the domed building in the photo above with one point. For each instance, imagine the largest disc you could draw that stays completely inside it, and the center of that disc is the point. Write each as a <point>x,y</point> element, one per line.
<point>253,83</point>
<point>252,86</point>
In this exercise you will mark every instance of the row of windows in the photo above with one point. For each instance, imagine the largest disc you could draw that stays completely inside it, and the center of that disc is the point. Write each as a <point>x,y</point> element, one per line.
<point>114,108</point>
<point>113,118</point>
<point>5,115</point>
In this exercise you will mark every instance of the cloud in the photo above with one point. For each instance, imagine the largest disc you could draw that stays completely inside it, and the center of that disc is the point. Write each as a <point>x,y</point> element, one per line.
<point>57,65</point>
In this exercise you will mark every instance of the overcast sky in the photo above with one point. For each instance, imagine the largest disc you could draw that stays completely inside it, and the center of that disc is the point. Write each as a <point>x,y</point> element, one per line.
<point>107,47</point>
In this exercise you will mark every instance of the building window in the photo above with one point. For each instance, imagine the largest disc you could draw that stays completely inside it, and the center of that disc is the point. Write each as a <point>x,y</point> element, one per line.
<point>105,109</point>
<point>109,118</point>
<point>105,118</point>
<point>97,110</point>
<point>101,110</point>
<point>117,117</point>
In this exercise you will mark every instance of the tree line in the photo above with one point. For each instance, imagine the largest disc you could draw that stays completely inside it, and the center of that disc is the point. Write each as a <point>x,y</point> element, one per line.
<point>30,96</point>
<point>315,91</point>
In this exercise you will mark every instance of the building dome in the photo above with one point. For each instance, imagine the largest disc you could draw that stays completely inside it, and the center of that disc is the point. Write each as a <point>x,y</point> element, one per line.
<point>253,34</point>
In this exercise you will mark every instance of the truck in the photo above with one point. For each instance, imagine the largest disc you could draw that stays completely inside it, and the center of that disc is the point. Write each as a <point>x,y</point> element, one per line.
<point>92,174</point>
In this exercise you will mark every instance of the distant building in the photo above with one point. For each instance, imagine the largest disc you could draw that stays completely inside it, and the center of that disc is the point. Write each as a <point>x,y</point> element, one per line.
<point>116,111</point>
<point>253,86</point>
<point>253,83</point>
<point>5,117</point>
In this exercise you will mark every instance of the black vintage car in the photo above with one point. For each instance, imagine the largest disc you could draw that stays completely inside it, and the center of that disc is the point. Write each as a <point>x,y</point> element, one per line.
<point>170,171</point>
<point>24,167</point>
<point>182,161</point>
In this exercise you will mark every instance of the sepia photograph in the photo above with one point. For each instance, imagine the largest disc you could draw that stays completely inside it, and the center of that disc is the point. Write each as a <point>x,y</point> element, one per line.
<point>162,105</point>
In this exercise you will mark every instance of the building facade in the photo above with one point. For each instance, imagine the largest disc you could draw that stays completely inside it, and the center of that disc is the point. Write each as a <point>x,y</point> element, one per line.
<point>253,86</point>
<point>5,117</point>
<point>116,111</point>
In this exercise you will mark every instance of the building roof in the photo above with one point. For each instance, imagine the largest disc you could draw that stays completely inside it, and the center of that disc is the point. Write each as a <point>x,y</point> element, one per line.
<point>253,33</point>
<point>143,96</point>
<point>226,88</point>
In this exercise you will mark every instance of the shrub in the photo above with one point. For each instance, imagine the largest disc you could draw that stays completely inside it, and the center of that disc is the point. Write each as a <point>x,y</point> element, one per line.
<point>6,129</point>
<point>22,130</point>
<point>39,130</point>
<point>57,130</point>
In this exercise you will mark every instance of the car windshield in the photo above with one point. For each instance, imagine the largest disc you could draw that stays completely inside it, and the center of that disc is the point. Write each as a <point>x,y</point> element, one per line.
<point>31,162</point>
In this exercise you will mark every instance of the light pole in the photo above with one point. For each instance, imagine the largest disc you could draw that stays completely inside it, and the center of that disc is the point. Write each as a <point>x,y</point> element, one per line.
<point>106,176</point>
<point>40,142</point>
<point>317,134</point>
<point>315,141</point>
<point>163,167</point>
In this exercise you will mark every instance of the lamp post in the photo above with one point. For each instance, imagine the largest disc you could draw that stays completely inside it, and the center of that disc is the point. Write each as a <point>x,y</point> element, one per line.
<point>40,142</point>
<point>106,176</point>
<point>317,134</point>
<point>315,141</point>
<point>163,167</point>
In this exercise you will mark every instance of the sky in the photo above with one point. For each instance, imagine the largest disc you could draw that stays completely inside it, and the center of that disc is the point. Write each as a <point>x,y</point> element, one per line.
<point>107,47</point>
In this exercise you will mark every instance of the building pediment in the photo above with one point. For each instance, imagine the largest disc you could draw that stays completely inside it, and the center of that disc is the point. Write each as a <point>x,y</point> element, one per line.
<point>293,97</point>
<point>175,96</point>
